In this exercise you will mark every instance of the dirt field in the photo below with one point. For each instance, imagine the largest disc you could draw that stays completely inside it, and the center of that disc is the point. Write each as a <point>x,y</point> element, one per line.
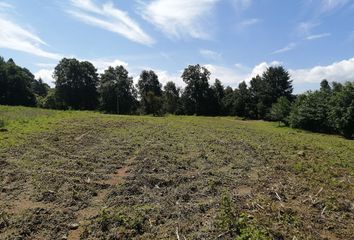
<point>81,175</point>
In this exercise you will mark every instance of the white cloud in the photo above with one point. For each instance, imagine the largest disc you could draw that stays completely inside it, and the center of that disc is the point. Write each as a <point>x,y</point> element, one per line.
<point>210,55</point>
<point>318,36</point>
<point>46,75</point>
<point>165,76</point>
<point>338,71</point>
<point>179,18</point>
<point>248,23</point>
<point>15,37</point>
<point>103,64</point>
<point>287,48</point>
<point>109,18</point>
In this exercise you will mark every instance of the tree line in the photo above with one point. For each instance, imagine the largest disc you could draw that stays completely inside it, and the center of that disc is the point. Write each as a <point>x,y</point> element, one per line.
<point>268,96</point>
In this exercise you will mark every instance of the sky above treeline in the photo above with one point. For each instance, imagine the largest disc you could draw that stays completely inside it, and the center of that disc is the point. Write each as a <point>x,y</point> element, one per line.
<point>234,39</point>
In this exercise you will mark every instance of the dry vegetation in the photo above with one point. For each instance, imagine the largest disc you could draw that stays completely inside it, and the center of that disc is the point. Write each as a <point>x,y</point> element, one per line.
<point>82,175</point>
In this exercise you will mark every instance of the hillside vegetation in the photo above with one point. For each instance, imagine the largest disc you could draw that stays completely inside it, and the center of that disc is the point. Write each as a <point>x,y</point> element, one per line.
<point>268,96</point>
<point>86,175</point>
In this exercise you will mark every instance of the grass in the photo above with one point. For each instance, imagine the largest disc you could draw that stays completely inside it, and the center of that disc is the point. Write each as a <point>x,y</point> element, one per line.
<point>140,177</point>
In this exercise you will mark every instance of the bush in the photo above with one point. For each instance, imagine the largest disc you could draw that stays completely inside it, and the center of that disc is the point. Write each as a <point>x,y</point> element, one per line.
<point>329,110</point>
<point>310,112</point>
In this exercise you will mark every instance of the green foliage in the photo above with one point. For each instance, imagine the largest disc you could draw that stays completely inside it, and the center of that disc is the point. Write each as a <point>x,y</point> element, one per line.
<point>76,84</point>
<point>327,110</point>
<point>117,91</point>
<point>40,88</point>
<point>310,112</point>
<point>281,110</point>
<point>197,94</point>
<point>150,92</point>
<point>171,98</point>
<point>15,84</point>
<point>342,110</point>
<point>238,226</point>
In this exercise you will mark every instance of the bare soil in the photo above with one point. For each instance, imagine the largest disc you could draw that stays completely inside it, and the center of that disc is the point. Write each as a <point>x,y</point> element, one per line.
<point>162,178</point>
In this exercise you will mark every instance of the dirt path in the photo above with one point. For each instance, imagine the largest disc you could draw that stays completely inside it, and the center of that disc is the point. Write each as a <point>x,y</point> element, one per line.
<point>97,203</point>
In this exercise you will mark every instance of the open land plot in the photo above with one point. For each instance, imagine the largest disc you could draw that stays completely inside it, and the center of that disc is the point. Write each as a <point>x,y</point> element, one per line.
<point>85,175</point>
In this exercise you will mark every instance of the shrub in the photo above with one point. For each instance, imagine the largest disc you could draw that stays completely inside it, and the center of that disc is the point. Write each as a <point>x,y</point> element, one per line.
<point>310,112</point>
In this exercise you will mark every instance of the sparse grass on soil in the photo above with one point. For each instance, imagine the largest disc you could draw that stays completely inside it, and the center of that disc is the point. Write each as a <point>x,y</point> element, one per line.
<point>85,175</point>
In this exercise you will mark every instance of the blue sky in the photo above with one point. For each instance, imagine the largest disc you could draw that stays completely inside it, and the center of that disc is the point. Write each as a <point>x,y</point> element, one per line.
<point>235,39</point>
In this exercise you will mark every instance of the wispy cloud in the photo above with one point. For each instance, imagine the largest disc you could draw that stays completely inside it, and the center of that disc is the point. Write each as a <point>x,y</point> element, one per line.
<point>305,28</point>
<point>241,5</point>
<point>15,37</point>
<point>248,23</point>
<point>179,18</point>
<point>318,36</point>
<point>210,55</point>
<point>110,18</point>
<point>331,5</point>
<point>287,48</point>
<point>5,5</point>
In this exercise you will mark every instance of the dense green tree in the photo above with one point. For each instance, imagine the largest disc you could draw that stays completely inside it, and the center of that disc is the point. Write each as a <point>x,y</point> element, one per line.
<point>15,84</point>
<point>39,87</point>
<point>219,94</point>
<point>325,87</point>
<point>281,110</point>
<point>197,93</point>
<point>76,84</point>
<point>311,112</point>
<point>150,92</point>
<point>259,98</point>
<point>243,101</point>
<point>117,91</point>
<point>228,101</point>
<point>277,84</point>
<point>170,97</point>
<point>342,110</point>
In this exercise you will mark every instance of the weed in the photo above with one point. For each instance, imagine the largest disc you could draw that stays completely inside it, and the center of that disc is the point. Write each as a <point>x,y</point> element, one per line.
<point>239,226</point>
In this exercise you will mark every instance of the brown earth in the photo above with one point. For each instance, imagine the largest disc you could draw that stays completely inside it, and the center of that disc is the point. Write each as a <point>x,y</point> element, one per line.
<point>146,178</point>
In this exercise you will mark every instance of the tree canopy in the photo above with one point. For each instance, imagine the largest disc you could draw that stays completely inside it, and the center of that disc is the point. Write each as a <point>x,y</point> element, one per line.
<point>76,84</point>
<point>117,91</point>
<point>267,96</point>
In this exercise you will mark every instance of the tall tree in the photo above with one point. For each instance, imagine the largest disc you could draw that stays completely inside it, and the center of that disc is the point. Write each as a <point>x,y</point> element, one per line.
<point>342,110</point>
<point>76,84</point>
<point>171,97</point>
<point>197,92</point>
<point>229,101</point>
<point>242,101</point>
<point>15,84</point>
<point>219,94</point>
<point>278,83</point>
<point>117,91</point>
<point>260,98</point>
<point>150,92</point>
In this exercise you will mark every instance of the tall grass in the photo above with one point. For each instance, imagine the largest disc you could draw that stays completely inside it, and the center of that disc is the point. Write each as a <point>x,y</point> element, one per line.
<point>2,123</point>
